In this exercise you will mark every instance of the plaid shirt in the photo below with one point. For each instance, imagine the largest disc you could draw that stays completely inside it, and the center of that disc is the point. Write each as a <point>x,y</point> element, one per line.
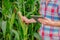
<point>50,10</point>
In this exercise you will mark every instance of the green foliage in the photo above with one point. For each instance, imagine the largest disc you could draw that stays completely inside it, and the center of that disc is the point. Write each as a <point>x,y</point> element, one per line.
<point>37,36</point>
<point>4,23</point>
<point>11,25</point>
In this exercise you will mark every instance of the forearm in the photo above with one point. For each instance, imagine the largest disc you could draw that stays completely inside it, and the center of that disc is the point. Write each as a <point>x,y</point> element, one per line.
<point>57,23</point>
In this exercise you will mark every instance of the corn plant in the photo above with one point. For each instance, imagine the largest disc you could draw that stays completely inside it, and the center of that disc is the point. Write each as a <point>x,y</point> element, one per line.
<point>11,25</point>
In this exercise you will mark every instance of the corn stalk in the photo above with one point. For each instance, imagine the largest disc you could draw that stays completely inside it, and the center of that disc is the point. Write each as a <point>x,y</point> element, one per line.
<point>12,26</point>
<point>23,25</point>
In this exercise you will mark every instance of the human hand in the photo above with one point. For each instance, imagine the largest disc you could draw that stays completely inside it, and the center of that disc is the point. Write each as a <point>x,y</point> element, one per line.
<point>25,19</point>
<point>46,21</point>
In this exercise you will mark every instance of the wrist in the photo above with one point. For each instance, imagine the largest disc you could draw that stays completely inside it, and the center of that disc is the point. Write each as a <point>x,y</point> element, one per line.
<point>53,23</point>
<point>56,23</point>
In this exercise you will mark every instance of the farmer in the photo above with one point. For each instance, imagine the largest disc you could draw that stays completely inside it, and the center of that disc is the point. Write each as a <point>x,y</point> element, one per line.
<point>50,29</point>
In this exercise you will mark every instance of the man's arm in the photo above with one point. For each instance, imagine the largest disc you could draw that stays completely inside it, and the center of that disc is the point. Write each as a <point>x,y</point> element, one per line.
<point>57,23</point>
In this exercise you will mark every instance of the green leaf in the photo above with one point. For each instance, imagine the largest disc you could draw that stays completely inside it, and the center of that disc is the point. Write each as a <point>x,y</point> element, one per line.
<point>12,20</point>
<point>16,34</point>
<point>37,36</point>
<point>4,23</point>
<point>7,4</point>
<point>0,22</point>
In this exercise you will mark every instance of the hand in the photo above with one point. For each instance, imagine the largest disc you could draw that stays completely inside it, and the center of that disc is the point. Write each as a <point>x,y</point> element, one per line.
<point>46,21</point>
<point>32,20</point>
<point>25,19</point>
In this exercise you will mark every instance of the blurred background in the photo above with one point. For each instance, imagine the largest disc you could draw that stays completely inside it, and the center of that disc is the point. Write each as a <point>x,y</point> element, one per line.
<point>11,25</point>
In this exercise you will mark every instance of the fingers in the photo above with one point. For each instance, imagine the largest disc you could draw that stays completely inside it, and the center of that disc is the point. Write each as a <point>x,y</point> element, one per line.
<point>43,21</point>
<point>46,21</point>
<point>22,18</point>
<point>25,19</point>
<point>32,20</point>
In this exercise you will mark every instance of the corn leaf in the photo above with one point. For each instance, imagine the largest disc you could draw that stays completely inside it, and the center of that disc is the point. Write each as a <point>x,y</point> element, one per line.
<point>4,23</point>
<point>36,35</point>
<point>12,20</point>
<point>16,34</point>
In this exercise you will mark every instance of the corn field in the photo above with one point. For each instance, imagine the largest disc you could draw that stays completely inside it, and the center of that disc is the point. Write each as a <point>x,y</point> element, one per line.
<point>11,25</point>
